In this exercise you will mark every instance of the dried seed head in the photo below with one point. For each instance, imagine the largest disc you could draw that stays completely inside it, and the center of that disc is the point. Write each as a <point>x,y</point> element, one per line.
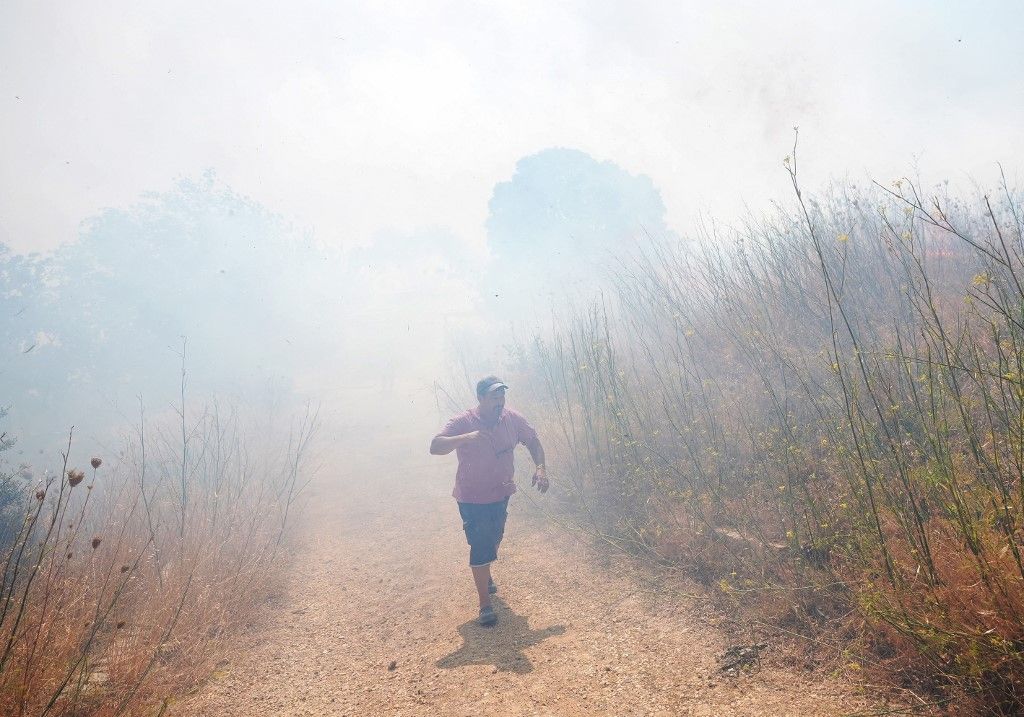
<point>124,568</point>
<point>96,462</point>
<point>69,555</point>
<point>40,493</point>
<point>75,477</point>
<point>96,542</point>
<point>120,624</point>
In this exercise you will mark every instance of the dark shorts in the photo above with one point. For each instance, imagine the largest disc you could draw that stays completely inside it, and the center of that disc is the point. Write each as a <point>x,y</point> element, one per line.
<point>484,524</point>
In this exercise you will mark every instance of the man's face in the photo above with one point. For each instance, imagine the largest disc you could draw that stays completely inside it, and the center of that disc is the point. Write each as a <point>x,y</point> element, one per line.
<point>491,404</point>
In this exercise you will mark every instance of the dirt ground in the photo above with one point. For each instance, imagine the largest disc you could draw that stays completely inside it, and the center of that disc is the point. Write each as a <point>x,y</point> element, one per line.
<point>377,618</point>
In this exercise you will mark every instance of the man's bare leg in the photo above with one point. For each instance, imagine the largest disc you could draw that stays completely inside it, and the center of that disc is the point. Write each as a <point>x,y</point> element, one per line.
<point>482,577</point>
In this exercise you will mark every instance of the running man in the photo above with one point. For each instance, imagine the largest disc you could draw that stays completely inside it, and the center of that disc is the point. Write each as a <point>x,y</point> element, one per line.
<point>484,439</point>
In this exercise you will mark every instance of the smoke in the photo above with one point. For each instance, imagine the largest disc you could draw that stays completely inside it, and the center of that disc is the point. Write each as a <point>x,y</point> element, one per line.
<point>258,312</point>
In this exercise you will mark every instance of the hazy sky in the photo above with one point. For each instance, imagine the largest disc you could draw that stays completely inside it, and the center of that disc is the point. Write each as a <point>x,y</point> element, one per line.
<point>359,120</point>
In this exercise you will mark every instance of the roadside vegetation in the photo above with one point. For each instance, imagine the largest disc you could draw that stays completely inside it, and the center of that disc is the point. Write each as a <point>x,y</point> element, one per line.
<point>820,414</point>
<point>123,576</point>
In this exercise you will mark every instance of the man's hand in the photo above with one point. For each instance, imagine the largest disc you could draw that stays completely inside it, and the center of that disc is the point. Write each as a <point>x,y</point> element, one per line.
<point>443,445</point>
<point>540,479</point>
<point>471,437</point>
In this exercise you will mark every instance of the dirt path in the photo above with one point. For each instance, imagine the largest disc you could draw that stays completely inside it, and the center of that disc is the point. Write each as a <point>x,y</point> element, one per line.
<point>380,577</point>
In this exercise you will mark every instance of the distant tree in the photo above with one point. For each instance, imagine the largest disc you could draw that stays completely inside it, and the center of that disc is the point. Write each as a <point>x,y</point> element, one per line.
<point>557,223</point>
<point>12,490</point>
<point>101,320</point>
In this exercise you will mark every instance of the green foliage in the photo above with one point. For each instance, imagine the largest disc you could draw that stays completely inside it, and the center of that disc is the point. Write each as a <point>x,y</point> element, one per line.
<point>11,490</point>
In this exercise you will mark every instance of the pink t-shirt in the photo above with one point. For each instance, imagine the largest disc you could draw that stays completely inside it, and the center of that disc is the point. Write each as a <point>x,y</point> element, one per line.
<point>486,470</point>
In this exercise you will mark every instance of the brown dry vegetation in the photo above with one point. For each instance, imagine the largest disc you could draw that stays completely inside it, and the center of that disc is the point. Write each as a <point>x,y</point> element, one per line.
<point>821,414</point>
<point>122,584</point>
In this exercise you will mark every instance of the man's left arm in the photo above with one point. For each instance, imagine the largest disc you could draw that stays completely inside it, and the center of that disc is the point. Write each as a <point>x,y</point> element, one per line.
<point>527,435</point>
<point>540,474</point>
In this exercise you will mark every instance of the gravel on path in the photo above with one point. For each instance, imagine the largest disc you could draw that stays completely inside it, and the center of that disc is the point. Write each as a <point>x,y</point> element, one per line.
<point>378,619</point>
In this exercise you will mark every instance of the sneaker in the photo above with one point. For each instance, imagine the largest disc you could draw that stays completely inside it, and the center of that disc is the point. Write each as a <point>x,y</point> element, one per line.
<point>487,616</point>
<point>491,587</point>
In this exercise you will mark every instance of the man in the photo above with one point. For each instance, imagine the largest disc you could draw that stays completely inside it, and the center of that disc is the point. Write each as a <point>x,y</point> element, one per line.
<point>484,438</point>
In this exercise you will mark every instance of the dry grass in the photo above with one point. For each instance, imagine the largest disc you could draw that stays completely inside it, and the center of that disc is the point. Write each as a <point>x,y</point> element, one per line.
<point>821,414</point>
<point>119,590</point>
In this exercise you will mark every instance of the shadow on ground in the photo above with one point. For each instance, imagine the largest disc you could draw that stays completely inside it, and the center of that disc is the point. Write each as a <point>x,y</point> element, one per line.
<point>501,645</point>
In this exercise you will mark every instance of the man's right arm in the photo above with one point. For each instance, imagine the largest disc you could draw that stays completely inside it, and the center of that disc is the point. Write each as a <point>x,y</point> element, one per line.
<point>443,445</point>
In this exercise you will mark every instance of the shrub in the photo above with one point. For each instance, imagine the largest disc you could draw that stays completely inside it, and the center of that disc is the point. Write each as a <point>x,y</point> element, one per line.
<point>825,406</point>
<point>125,576</point>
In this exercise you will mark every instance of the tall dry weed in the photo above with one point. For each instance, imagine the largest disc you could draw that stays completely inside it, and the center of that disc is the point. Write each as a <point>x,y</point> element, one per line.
<point>821,413</point>
<point>117,594</point>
